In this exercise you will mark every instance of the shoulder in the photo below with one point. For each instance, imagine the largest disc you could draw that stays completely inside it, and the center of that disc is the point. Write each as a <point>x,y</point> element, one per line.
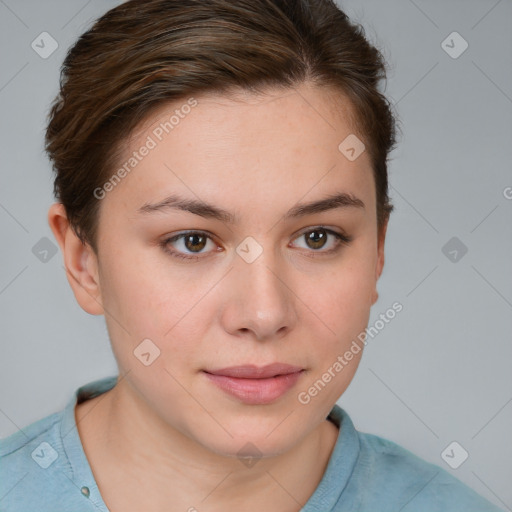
<point>25,458</point>
<point>36,472</point>
<point>413,484</point>
<point>17,443</point>
<point>37,443</point>
<point>43,466</point>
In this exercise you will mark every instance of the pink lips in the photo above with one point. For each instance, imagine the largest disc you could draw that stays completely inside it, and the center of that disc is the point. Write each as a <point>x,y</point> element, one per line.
<point>255,385</point>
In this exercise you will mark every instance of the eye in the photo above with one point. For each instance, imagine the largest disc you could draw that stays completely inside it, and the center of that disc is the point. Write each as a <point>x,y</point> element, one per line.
<point>193,241</point>
<point>317,238</point>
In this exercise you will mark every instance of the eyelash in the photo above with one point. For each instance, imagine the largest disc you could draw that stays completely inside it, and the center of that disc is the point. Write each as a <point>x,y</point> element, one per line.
<point>341,240</point>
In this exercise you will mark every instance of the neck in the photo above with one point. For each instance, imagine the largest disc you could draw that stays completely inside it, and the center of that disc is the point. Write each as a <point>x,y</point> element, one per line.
<point>142,463</point>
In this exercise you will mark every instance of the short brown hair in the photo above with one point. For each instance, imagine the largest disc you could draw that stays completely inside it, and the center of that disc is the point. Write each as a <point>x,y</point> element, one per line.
<point>142,54</point>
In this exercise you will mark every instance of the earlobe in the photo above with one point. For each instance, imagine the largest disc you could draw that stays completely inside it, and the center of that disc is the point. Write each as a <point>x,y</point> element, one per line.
<point>80,261</point>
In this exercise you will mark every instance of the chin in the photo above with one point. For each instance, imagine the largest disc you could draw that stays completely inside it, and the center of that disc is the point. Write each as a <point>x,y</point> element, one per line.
<point>253,435</point>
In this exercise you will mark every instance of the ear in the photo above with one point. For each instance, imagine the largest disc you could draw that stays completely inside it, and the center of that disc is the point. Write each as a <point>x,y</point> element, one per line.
<point>80,261</point>
<point>380,259</point>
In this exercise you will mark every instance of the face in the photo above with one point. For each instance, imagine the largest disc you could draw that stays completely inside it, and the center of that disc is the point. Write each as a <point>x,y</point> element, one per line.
<point>256,278</point>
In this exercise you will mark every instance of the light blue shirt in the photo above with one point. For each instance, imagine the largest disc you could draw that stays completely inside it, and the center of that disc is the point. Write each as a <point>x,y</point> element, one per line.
<point>43,468</point>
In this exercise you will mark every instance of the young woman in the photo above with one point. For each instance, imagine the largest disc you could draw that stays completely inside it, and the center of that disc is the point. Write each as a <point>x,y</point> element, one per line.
<point>221,177</point>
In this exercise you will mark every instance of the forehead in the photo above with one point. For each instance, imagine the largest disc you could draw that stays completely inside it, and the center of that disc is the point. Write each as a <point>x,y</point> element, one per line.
<point>248,149</point>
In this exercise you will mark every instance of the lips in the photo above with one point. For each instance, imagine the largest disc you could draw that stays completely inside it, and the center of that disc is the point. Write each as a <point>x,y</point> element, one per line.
<point>255,372</point>
<point>255,385</point>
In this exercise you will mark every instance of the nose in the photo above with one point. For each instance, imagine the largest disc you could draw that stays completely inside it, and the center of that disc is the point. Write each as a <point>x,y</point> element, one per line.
<point>261,303</point>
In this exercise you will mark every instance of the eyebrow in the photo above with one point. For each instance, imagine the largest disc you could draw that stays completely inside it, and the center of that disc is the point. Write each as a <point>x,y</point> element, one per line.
<point>209,211</point>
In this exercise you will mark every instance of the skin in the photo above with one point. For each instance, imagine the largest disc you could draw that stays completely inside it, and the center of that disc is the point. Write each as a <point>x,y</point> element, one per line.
<point>256,156</point>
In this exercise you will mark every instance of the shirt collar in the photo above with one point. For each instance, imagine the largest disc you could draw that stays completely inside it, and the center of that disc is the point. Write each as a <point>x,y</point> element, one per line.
<point>80,470</point>
<point>341,464</point>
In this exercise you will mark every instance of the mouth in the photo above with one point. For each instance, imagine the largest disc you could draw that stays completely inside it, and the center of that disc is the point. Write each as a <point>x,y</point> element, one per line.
<point>255,385</point>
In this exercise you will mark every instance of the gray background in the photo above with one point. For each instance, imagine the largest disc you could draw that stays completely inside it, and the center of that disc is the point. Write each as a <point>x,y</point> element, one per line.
<point>440,371</point>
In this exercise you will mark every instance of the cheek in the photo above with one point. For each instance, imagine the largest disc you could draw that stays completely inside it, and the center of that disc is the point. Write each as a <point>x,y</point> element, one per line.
<point>143,299</point>
<point>135,286</point>
<point>344,306</point>
<point>346,291</point>
<point>342,299</point>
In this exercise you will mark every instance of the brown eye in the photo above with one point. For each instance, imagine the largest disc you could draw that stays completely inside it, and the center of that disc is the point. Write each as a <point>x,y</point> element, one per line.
<point>187,245</point>
<point>319,238</point>
<point>316,239</point>
<point>195,242</point>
